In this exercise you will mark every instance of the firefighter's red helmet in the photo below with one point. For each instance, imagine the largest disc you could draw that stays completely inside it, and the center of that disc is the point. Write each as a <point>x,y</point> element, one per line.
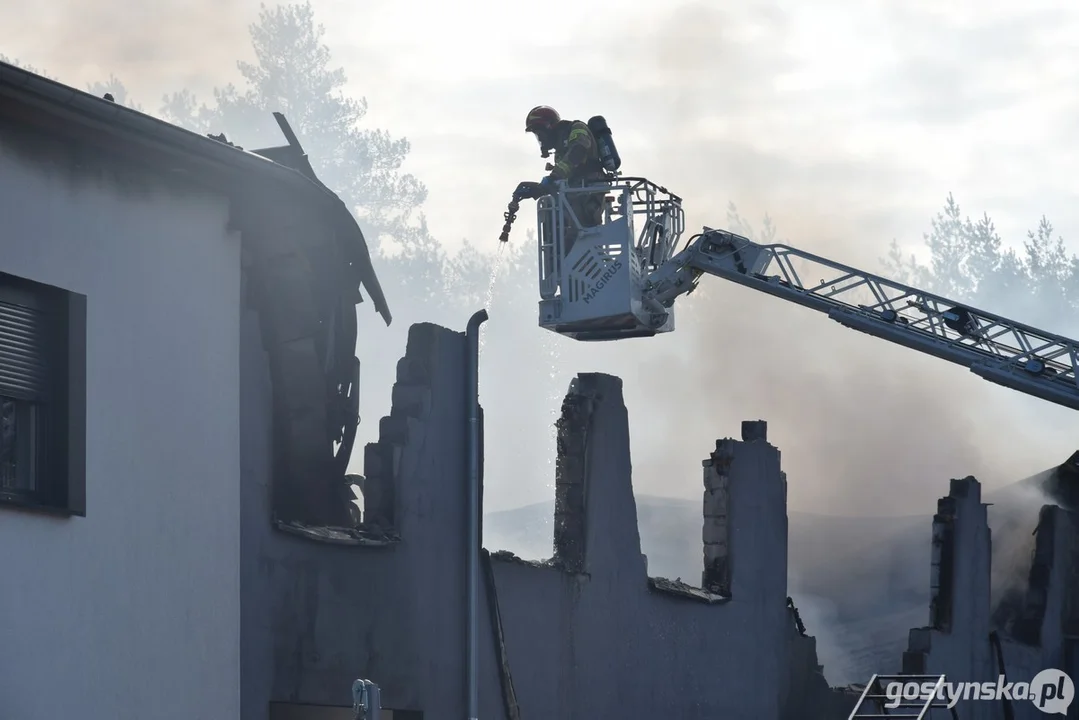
<point>541,118</point>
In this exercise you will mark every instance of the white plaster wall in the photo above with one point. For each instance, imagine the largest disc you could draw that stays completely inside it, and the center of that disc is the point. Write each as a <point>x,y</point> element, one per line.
<point>132,612</point>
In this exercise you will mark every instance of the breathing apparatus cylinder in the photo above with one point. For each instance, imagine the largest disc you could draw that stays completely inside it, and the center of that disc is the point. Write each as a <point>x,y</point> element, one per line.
<point>608,153</point>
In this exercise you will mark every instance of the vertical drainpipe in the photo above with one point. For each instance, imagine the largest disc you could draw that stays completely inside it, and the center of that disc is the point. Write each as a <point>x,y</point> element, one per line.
<point>472,384</point>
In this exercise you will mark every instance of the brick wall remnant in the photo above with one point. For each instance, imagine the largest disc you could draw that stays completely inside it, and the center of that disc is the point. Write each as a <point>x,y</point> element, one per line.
<point>956,640</point>
<point>411,400</point>
<point>716,532</point>
<point>1027,627</point>
<point>1070,562</point>
<point>570,470</point>
<point>715,535</point>
<point>754,430</point>
<point>317,617</point>
<point>942,578</point>
<point>1022,637</point>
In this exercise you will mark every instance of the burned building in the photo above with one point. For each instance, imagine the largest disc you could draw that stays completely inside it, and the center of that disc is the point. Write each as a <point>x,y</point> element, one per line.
<point>190,551</point>
<point>131,251</point>
<point>1033,626</point>
<point>586,633</point>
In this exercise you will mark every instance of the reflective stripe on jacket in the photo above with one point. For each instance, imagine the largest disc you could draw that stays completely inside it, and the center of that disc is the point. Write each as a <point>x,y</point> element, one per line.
<point>576,155</point>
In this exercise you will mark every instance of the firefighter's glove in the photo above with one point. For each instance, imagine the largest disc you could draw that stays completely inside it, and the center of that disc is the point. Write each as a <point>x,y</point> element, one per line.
<point>528,191</point>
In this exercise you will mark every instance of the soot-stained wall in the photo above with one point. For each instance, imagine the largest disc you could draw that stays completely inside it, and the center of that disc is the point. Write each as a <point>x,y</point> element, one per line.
<point>586,634</point>
<point>589,636</point>
<point>316,615</point>
<point>967,643</point>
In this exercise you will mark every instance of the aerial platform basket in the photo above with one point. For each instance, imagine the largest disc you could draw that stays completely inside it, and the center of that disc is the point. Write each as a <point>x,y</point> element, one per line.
<point>594,291</point>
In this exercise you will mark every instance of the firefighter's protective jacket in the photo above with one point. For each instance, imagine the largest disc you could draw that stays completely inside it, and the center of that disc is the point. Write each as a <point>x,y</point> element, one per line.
<point>575,154</point>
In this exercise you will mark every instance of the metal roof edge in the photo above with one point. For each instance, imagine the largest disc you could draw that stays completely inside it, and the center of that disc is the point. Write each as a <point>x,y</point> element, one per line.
<point>19,84</point>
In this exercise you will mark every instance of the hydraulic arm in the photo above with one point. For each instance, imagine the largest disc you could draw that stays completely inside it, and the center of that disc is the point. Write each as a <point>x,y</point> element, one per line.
<point>620,279</point>
<point>1000,350</point>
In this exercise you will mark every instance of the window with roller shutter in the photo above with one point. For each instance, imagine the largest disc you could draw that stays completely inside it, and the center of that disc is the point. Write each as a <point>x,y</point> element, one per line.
<point>42,354</point>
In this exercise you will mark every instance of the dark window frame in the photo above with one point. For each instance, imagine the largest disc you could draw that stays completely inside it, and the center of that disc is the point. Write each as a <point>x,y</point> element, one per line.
<point>58,411</point>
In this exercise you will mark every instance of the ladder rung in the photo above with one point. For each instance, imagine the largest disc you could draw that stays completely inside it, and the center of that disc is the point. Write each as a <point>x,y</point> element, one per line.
<point>916,709</point>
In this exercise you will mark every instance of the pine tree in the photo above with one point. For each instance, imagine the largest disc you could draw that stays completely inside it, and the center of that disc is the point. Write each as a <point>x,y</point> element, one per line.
<point>970,263</point>
<point>293,73</point>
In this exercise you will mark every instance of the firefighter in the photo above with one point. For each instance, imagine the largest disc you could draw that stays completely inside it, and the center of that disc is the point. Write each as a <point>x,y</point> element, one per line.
<point>576,161</point>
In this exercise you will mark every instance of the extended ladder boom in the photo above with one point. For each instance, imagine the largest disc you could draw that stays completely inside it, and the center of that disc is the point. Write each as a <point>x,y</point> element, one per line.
<point>1000,350</point>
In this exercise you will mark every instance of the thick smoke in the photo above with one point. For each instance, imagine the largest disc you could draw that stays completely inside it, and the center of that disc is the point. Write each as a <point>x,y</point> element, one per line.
<point>1013,519</point>
<point>864,426</point>
<point>152,47</point>
<point>720,102</point>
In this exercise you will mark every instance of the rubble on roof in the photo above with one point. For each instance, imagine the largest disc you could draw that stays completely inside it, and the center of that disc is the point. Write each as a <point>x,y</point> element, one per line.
<point>509,557</point>
<point>681,589</point>
<point>338,535</point>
